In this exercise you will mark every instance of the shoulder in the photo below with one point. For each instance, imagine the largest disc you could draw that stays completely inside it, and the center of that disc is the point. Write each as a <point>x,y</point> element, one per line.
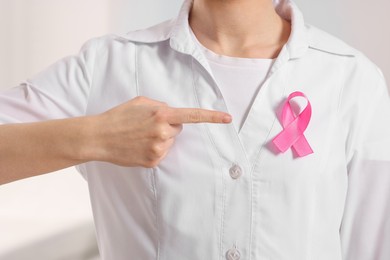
<point>156,33</point>
<point>355,62</point>
<point>325,42</point>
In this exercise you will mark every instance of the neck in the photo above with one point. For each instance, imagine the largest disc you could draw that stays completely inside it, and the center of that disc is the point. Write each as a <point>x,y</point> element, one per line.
<point>237,28</point>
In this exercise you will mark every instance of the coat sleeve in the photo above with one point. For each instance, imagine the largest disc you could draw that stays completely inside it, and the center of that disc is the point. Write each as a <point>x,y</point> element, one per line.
<point>60,91</point>
<point>365,229</point>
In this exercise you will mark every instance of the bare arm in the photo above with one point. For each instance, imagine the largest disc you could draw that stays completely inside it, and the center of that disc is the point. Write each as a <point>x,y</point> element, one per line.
<point>32,149</point>
<point>137,133</point>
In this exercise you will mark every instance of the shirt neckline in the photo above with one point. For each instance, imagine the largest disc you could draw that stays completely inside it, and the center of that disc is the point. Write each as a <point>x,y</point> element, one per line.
<point>229,60</point>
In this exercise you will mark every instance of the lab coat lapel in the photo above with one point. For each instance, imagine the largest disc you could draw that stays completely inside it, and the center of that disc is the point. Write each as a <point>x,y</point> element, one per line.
<point>263,114</point>
<point>254,134</point>
<point>206,91</point>
<point>224,137</point>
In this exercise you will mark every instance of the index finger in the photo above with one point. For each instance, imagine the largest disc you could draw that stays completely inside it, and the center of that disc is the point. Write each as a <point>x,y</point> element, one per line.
<point>196,115</point>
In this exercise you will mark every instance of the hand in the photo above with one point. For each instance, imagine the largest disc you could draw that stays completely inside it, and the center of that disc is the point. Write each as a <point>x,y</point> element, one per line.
<point>141,131</point>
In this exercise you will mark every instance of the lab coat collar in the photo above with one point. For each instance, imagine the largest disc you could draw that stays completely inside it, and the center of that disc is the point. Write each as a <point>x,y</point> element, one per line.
<point>302,36</point>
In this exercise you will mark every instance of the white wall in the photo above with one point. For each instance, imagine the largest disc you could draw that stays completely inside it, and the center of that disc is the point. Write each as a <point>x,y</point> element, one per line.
<point>35,33</point>
<point>129,15</point>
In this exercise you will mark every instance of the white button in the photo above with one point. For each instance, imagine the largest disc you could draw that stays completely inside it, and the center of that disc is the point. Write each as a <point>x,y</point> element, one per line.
<point>233,254</point>
<point>235,171</point>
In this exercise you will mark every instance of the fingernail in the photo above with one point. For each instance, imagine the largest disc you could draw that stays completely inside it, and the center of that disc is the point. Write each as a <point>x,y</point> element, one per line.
<point>227,119</point>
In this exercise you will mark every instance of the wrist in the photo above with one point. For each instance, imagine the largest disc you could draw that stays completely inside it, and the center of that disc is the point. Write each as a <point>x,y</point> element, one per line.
<point>90,145</point>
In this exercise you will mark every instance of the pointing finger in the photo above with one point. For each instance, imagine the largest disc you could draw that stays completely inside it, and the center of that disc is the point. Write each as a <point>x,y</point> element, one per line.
<point>196,115</point>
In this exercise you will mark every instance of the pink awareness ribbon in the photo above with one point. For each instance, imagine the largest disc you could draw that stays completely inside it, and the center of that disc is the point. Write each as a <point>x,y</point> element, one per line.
<point>294,127</point>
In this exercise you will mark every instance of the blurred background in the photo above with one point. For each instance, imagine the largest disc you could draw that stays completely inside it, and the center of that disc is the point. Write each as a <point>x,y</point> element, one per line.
<point>49,217</point>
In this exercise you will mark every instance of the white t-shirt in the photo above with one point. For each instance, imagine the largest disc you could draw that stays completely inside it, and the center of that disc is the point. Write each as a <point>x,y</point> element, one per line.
<point>239,80</point>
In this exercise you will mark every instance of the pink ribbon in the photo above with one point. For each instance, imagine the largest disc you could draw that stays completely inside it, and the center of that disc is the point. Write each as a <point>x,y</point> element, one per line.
<point>294,127</point>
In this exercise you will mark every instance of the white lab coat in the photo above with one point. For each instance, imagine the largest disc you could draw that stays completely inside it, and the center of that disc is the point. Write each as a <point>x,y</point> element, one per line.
<point>332,204</point>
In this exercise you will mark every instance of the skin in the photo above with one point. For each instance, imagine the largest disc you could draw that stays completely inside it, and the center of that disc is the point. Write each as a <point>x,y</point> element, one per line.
<point>141,131</point>
<point>239,28</point>
<point>136,133</point>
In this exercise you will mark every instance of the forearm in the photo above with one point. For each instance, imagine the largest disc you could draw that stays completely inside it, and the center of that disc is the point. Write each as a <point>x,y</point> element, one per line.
<point>136,133</point>
<point>32,149</point>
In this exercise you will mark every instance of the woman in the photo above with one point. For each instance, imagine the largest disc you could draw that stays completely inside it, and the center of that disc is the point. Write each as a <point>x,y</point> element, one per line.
<point>288,169</point>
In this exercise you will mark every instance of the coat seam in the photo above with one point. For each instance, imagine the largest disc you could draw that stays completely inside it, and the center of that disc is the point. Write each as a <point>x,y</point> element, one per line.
<point>156,208</point>
<point>91,81</point>
<point>136,69</point>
